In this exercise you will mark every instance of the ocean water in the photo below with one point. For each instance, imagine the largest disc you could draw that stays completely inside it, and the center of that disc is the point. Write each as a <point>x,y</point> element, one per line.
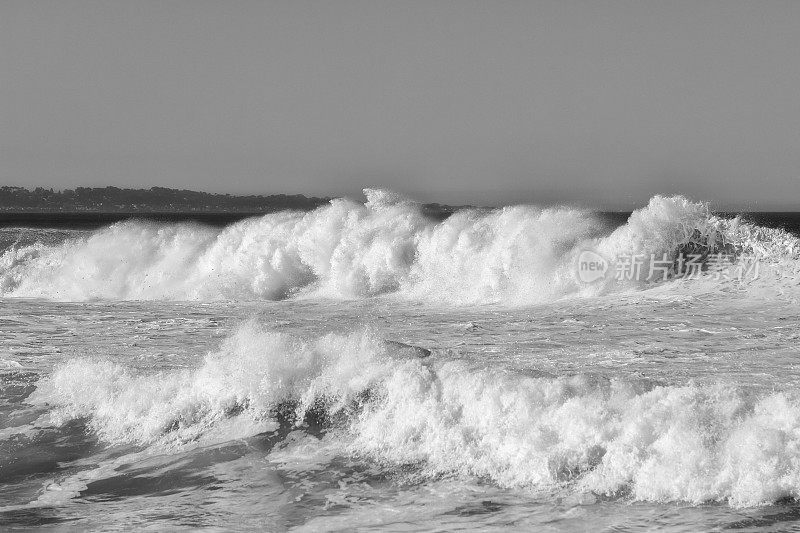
<point>366,367</point>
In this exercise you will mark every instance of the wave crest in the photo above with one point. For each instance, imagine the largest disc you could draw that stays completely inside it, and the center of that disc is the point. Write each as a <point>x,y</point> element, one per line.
<point>614,437</point>
<point>346,249</point>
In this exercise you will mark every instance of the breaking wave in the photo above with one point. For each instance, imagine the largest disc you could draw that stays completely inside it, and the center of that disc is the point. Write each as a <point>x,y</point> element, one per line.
<point>391,403</point>
<point>387,245</point>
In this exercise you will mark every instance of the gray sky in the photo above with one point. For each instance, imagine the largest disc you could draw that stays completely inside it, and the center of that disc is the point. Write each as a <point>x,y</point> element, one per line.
<point>489,102</point>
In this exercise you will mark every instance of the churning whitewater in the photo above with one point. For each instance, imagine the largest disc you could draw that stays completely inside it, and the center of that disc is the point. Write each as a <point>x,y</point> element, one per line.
<point>365,365</point>
<point>513,255</point>
<point>605,436</point>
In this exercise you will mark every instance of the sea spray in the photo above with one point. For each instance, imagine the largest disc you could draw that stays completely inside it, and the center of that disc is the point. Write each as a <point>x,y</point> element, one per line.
<point>386,246</point>
<point>615,437</point>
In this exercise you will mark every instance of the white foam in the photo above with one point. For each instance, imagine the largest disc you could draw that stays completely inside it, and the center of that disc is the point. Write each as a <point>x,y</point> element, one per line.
<point>9,364</point>
<point>693,443</point>
<point>514,255</point>
<point>253,372</point>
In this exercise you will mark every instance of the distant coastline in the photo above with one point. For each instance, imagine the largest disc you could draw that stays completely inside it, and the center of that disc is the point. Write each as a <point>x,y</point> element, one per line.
<point>96,206</point>
<point>153,200</point>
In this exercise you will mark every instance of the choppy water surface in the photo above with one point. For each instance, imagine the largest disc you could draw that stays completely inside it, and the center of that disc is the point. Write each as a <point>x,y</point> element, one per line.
<point>351,385</point>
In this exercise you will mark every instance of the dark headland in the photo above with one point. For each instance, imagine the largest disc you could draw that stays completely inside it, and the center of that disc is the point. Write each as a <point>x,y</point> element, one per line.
<point>89,207</point>
<point>154,200</point>
<point>96,206</point>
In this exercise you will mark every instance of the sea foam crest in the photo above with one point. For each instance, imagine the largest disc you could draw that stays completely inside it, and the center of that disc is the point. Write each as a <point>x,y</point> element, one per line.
<point>673,226</point>
<point>613,437</point>
<point>519,254</point>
